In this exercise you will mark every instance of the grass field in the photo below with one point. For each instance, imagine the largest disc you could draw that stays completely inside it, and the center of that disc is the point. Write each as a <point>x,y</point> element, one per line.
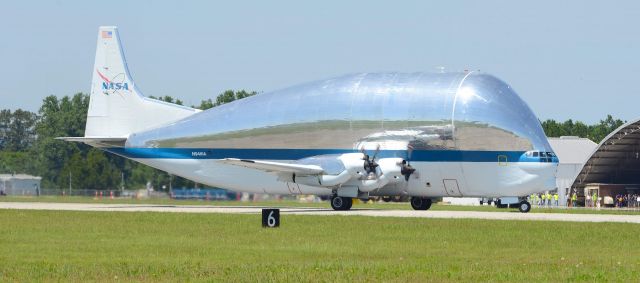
<point>128,246</point>
<point>293,203</point>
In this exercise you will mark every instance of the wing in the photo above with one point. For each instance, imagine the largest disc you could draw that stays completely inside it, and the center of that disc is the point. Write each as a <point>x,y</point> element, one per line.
<point>276,167</point>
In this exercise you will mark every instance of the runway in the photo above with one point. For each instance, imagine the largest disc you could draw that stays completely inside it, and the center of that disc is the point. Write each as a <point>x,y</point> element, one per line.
<point>507,215</point>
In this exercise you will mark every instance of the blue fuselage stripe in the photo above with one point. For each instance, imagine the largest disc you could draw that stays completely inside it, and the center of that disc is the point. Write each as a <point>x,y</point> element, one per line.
<point>294,154</point>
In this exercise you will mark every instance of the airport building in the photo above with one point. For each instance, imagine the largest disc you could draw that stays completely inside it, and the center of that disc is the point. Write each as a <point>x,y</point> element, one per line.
<point>19,184</point>
<point>573,153</point>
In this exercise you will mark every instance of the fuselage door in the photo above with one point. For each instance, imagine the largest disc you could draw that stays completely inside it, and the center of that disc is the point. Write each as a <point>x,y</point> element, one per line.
<point>451,187</point>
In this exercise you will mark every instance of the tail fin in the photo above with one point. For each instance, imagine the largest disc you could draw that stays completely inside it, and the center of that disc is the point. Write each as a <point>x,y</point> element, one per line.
<point>116,107</point>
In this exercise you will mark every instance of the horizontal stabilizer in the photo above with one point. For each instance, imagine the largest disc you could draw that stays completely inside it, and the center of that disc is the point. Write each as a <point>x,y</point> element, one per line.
<point>97,141</point>
<point>277,167</point>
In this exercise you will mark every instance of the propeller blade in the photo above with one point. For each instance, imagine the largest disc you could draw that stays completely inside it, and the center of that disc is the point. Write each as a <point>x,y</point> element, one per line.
<point>365,156</point>
<point>376,152</point>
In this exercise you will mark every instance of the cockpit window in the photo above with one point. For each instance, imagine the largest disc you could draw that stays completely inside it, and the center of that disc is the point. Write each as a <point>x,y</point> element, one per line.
<point>544,156</point>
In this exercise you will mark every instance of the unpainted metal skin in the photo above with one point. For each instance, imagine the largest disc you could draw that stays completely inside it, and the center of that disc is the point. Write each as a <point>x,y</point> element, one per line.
<point>425,135</point>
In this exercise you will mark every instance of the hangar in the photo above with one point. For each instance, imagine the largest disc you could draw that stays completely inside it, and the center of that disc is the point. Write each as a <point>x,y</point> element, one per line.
<point>614,165</point>
<point>606,169</point>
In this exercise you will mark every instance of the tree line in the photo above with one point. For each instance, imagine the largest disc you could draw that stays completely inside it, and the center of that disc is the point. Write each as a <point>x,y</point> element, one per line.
<point>28,145</point>
<point>596,132</point>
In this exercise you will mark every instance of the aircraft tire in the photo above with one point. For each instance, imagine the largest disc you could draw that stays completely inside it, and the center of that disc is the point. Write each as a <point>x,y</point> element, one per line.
<point>524,207</point>
<point>341,203</point>
<point>386,199</point>
<point>418,203</point>
<point>427,204</point>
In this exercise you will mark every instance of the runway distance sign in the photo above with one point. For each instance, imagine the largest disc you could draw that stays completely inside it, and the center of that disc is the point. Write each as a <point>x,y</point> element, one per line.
<point>270,218</point>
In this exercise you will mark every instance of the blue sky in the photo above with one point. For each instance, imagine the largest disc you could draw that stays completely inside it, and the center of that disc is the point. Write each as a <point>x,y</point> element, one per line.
<point>566,59</point>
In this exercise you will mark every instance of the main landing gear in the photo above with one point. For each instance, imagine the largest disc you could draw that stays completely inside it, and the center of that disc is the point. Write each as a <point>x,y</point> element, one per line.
<point>341,203</point>
<point>419,203</point>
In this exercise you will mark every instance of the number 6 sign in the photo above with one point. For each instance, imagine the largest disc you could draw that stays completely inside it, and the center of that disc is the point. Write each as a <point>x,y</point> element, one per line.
<point>270,218</point>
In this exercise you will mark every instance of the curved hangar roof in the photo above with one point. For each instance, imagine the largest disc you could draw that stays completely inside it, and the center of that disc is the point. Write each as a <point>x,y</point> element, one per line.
<point>616,160</point>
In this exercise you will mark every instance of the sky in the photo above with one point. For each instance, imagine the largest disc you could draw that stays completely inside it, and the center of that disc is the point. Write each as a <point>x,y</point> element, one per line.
<point>567,59</point>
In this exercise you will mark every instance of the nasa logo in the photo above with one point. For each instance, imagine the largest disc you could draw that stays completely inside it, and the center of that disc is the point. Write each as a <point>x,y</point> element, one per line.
<point>107,84</point>
<point>114,86</point>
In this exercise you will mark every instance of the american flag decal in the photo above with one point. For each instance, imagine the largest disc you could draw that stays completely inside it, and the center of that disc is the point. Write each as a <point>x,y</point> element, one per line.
<point>107,34</point>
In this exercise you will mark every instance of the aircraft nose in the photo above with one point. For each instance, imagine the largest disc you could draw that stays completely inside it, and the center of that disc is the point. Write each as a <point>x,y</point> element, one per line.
<point>506,120</point>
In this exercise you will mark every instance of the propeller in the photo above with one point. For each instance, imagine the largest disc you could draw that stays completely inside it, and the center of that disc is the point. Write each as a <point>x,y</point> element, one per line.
<point>407,169</point>
<point>370,164</point>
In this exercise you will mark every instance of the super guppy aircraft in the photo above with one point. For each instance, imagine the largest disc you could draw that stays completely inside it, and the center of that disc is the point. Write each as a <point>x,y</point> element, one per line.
<point>424,135</point>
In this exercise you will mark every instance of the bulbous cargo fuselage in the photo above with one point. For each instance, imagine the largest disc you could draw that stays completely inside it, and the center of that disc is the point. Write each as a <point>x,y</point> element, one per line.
<point>467,134</point>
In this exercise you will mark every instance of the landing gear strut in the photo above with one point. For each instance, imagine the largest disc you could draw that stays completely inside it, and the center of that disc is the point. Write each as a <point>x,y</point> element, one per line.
<point>419,203</point>
<point>341,203</point>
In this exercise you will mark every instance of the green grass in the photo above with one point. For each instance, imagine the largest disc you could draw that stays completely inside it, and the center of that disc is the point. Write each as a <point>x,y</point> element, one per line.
<point>131,246</point>
<point>294,203</point>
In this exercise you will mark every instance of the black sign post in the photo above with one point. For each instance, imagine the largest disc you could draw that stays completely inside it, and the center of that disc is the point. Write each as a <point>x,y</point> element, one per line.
<point>270,218</point>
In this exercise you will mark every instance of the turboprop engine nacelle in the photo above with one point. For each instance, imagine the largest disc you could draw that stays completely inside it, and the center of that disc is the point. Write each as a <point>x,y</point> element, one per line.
<point>350,164</point>
<point>352,174</point>
<point>324,180</point>
<point>390,172</point>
